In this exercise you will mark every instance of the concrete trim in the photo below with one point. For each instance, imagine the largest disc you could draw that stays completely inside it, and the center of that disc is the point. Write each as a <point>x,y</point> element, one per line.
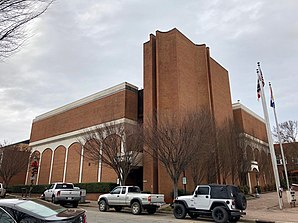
<point>65,164</point>
<point>88,99</point>
<point>254,139</point>
<point>81,164</point>
<point>241,106</point>
<point>77,133</point>
<point>51,168</point>
<point>249,182</point>
<point>99,171</point>
<point>99,166</point>
<point>38,173</point>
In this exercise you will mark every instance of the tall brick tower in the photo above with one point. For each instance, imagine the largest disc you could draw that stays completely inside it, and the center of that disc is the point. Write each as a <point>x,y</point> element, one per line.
<point>180,77</point>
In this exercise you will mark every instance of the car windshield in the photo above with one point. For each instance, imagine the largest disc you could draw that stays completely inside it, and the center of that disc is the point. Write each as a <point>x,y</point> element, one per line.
<point>41,208</point>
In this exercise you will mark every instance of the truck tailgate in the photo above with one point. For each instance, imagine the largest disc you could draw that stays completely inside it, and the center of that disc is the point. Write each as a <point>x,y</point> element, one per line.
<point>70,193</point>
<point>157,198</point>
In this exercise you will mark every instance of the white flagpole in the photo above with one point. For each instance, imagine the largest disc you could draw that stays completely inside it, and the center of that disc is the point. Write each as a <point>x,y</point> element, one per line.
<point>279,139</point>
<point>269,135</point>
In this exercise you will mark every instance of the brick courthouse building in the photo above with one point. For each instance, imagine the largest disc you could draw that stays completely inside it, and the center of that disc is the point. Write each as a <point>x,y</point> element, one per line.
<point>179,77</point>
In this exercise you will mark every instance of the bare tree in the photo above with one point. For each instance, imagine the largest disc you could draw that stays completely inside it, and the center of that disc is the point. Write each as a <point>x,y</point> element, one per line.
<point>240,161</point>
<point>14,15</point>
<point>265,167</point>
<point>13,161</point>
<point>117,146</point>
<point>173,142</point>
<point>288,131</point>
<point>243,159</point>
<point>204,149</point>
<point>228,151</point>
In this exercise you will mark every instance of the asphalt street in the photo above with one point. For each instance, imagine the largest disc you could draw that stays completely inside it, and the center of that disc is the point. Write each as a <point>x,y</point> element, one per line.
<point>94,216</point>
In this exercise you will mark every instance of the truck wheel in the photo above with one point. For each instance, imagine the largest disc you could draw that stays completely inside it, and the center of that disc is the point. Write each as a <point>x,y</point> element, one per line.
<point>220,215</point>
<point>179,211</point>
<point>151,210</point>
<point>117,208</point>
<point>103,206</point>
<point>75,204</point>
<point>136,208</point>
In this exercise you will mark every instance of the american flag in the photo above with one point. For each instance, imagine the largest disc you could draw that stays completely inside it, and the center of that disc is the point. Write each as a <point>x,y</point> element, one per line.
<point>258,89</point>
<point>260,79</point>
<point>261,74</point>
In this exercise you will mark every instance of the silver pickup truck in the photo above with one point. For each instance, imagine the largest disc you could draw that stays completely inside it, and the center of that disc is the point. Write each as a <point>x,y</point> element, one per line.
<point>130,196</point>
<point>63,193</point>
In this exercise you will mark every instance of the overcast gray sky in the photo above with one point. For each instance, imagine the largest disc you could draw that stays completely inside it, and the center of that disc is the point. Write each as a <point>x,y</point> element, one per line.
<point>81,47</point>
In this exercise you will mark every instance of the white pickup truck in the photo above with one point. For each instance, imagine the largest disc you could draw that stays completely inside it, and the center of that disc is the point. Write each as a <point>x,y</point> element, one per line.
<point>63,193</point>
<point>130,196</point>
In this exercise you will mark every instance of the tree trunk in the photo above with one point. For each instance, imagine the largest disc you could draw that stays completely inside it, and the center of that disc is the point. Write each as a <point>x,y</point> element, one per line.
<point>175,192</point>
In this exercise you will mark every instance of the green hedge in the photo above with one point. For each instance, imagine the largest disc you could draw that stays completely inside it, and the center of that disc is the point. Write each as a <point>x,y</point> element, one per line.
<point>36,189</point>
<point>97,187</point>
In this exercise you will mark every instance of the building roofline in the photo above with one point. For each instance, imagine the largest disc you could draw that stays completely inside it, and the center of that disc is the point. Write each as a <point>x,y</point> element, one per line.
<point>27,141</point>
<point>238,105</point>
<point>88,99</point>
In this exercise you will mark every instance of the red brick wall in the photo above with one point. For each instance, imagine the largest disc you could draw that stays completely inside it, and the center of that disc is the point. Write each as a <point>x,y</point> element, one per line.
<point>108,174</point>
<point>192,74</point>
<point>290,152</point>
<point>18,179</point>
<point>238,120</point>
<point>119,105</point>
<point>250,124</point>
<point>131,105</point>
<point>150,170</point>
<point>73,163</point>
<point>221,96</point>
<point>58,164</point>
<point>90,171</point>
<point>179,76</point>
<point>45,166</point>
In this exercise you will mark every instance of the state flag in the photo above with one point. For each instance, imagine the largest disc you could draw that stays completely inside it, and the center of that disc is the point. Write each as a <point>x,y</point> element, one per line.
<point>272,102</point>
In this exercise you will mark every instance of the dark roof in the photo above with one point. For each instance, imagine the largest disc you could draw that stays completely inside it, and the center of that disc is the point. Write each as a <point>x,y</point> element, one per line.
<point>17,143</point>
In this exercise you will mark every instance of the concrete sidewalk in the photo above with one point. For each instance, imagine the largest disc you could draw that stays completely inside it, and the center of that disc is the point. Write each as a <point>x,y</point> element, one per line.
<point>266,209</point>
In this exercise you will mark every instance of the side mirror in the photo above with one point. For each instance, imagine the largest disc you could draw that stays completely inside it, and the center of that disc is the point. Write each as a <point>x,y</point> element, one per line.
<point>196,193</point>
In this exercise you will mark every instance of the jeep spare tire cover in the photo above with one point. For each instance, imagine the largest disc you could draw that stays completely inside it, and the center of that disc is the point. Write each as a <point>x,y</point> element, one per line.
<point>240,201</point>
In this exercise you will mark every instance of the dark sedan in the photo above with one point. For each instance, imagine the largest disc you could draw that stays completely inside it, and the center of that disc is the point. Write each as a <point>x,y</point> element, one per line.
<point>37,211</point>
